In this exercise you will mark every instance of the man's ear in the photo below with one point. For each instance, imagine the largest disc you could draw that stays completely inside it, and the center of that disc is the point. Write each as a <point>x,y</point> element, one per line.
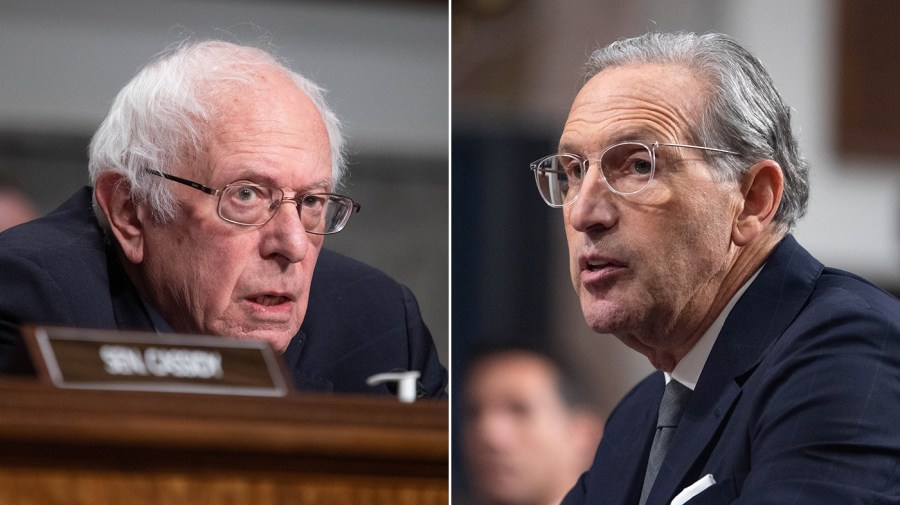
<point>113,194</point>
<point>761,190</point>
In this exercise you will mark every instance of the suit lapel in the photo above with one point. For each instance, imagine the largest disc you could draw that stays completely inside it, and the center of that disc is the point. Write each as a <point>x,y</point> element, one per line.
<point>303,381</point>
<point>705,413</point>
<point>754,325</point>
<point>624,457</point>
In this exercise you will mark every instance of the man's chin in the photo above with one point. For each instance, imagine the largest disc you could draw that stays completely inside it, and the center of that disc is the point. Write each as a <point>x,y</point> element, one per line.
<point>604,316</point>
<point>279,342</point>
<point>278,337</point>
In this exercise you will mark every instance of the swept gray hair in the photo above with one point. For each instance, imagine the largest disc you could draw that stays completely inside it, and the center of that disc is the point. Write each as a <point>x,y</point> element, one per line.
<point>159,118</point>
<point>744,112</point>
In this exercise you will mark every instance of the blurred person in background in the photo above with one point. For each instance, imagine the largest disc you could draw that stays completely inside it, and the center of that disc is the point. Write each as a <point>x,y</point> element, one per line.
<point>15,207</point>
<point>529,429</point>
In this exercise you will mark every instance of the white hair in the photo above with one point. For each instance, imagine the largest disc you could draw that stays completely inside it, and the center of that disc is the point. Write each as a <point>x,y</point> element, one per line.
<point>160,118</point>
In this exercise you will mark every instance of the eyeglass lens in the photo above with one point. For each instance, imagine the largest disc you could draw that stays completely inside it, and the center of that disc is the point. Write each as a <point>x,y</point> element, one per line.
<point>627,168</point>
<point>554,174</point>
<point>250,204</point>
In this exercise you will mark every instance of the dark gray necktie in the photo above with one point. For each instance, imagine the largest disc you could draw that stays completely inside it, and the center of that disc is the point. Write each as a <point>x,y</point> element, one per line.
<point>670,410</point>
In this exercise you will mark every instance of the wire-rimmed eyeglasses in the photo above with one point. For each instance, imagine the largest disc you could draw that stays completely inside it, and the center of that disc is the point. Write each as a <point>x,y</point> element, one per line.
<point>627,168</point>
<point>248,204</point>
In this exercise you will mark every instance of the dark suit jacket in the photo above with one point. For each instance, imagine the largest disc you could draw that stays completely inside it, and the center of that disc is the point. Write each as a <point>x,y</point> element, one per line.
<point>799,401</point>
<point>60,270</point>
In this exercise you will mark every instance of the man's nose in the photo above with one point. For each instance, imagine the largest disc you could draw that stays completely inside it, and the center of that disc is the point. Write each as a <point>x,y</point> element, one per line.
<point>594,206</point>
<point>284,235</point>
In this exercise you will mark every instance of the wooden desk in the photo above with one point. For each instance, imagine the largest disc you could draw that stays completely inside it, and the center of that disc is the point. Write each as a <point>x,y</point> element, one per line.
<point>98,447</point>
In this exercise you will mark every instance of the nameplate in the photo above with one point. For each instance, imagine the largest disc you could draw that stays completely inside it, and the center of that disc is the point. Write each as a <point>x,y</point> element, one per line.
<point>133,361</point>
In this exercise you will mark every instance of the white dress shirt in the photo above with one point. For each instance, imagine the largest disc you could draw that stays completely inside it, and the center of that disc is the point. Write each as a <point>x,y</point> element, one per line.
<point>688,370</point>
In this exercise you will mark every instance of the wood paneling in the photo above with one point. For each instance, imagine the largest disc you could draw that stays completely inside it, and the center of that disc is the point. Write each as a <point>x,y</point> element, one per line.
<point>868,94</point>
<point>88,447</point>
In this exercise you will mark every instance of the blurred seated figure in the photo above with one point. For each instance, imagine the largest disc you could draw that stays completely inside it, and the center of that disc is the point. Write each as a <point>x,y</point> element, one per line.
<point>529,432</point>
<point>15,207</point>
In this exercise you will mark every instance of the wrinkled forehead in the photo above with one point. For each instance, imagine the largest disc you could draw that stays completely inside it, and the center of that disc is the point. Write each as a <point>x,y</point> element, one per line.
<point>636,102</point>
<point>267,115</point>
<point>263,94</point>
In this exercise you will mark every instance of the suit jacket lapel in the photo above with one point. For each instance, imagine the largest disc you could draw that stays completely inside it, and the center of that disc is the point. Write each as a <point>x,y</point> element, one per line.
<point>704,414</point>
<point>754,325</point>
<point>303,381</point>
<point>623,480</point>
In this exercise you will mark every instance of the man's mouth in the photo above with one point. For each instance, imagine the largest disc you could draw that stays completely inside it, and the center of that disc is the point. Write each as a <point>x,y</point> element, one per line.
<point>269,300</point>
<point>595,264</point>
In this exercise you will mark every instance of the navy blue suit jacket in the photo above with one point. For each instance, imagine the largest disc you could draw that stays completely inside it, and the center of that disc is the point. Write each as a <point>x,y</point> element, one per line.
<point>799,401</point>
<point>60,270</point>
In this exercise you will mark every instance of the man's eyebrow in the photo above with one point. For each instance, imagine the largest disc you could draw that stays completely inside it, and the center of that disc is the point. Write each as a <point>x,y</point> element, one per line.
<point>265,179</point>
<point>253,175</point>
<point>566,147</point>
<point>632,134</point>
<point>636,134</point>
<point>319,186</point>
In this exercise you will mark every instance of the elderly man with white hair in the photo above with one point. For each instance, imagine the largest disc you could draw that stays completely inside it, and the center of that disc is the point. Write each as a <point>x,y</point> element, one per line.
<point>215,179</point>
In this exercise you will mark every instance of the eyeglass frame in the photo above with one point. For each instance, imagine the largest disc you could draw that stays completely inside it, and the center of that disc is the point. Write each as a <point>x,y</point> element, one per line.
<point>354,207</point>
<point>583,162</point>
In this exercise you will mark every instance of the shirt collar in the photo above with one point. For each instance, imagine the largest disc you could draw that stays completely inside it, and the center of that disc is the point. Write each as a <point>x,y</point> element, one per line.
<point>688,370</point>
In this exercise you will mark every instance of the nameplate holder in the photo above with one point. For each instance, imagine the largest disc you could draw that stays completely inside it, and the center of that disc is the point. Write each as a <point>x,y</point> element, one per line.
<point>77,358</point>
